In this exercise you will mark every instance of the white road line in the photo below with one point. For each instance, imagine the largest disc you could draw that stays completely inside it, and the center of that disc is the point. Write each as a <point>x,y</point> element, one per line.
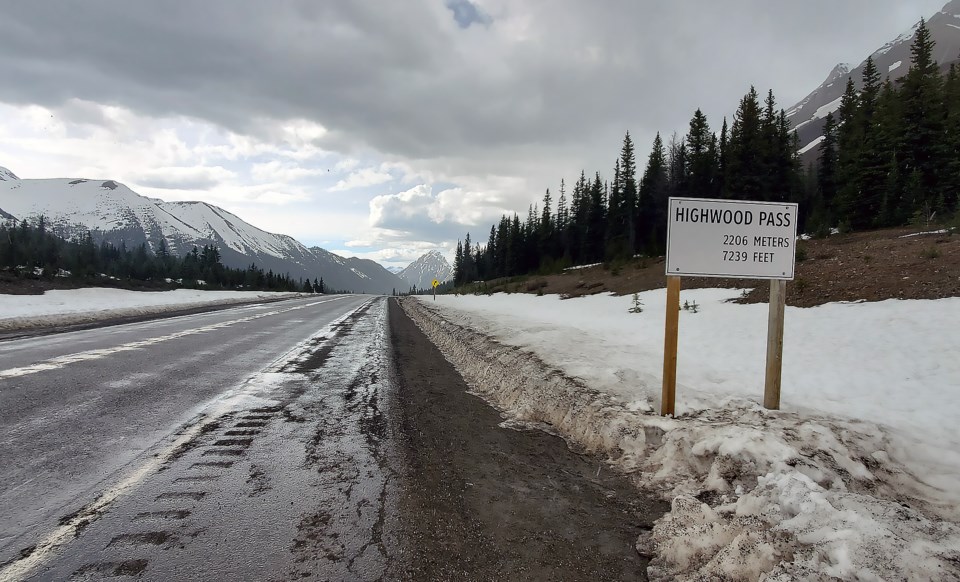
<point>214,409</point>
<point>65,360</point>
<point>18,570</point>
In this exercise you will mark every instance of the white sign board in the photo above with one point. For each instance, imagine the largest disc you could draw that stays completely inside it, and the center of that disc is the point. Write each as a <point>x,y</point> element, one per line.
<point>731,238</point>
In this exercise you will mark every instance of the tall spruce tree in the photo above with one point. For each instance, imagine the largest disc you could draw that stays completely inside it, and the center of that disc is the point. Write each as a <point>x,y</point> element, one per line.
<point>744,180</point>
<point>825,213</point>
<point>652,207</point>
<point>924,149</point>
<point>701,158</point>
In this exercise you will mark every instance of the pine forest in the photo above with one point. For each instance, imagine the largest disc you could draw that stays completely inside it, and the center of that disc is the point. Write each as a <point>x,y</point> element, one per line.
<point>889,156</point>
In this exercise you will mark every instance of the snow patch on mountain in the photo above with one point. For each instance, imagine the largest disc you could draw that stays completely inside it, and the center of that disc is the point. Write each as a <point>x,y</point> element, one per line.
<point>811,145</point>
<point>840,71</point>
<point>905,37</point>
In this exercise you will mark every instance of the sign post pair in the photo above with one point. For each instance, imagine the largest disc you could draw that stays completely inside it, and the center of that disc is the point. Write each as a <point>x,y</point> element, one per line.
<point>730,239</point>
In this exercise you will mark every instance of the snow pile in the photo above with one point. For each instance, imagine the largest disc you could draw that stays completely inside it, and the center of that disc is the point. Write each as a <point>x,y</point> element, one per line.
<point>81,306</point>
<point>857,478</point>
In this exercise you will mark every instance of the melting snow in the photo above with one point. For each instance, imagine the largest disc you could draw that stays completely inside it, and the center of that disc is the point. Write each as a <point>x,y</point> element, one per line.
<point>857,478</point>
<point>358,273</point>
<point>828,108</point>
<point>811,145</point>
<point>895,65</point>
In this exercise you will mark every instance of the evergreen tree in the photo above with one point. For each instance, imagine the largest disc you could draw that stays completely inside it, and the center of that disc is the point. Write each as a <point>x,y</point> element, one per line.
<point>923,127</point>
<point>827,176</point>
<point>628,187</point>
<point>653,194</point>
<point>701,158</point>
<point>849,142</point>
<point>743,179</point>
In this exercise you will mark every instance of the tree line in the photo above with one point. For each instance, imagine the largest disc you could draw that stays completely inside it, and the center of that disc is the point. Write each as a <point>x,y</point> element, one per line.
<point>889,156</point>
<point>30,250</point>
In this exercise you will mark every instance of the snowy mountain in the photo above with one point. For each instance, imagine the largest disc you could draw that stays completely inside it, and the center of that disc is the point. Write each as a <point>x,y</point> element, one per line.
<point>395,270</point>
<point>424,270</point>
<point>6,175</point>
<point>892,60</point>
<point>116,214</point>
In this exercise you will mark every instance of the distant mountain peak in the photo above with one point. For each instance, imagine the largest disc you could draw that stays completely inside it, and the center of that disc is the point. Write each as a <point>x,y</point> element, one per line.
<point>431,265</point>
<point>7,175</point>
<point>114,213</point>
<point>841,70</point>
<point>952,8</point>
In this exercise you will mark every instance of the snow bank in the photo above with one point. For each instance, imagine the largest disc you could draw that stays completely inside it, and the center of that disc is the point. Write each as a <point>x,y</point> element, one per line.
<point>857,478</point>
<point>80,306</point>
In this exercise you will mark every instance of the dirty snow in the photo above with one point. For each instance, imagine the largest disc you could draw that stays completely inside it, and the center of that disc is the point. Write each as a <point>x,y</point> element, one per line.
<point>858,477</point>
<point>74,306</point>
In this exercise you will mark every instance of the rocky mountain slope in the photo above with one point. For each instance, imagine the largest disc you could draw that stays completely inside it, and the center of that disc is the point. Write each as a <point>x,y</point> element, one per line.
<point>424,270</point>
<point>892,61</point>
<point>116,214</point>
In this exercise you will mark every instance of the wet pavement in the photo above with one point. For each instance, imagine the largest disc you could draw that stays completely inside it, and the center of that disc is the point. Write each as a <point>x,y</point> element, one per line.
<point>358,456</point>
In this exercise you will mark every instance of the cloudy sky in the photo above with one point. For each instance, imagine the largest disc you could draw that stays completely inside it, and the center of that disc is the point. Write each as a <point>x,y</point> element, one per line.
<point>383,129</point>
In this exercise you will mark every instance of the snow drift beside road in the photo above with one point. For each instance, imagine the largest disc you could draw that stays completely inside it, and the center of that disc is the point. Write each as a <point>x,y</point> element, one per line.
<point>79,306</point>
<point>858,477</point>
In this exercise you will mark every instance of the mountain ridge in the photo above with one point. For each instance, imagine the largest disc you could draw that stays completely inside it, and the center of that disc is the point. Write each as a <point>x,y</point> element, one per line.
<point>114,213</point>
<point>892,60</point>
<point>429,266</point>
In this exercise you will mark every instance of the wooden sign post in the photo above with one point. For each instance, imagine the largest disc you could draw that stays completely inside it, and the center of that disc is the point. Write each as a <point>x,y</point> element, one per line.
<point>735,239</point>
<point>778,304</point>
<point>670,337</point>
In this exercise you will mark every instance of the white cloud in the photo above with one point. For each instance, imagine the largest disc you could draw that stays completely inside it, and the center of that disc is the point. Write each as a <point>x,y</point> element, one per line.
<point>283,171</point>
<point>362,179</point>
<point>185,178</point>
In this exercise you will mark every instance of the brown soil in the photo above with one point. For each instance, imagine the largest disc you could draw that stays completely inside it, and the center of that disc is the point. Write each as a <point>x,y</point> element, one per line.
<point>11,284</point>
<point>485,502</point>
<point>866,266</point>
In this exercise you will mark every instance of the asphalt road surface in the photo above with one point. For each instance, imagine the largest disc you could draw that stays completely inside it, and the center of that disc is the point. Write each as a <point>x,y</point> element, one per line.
<point>320,439</point>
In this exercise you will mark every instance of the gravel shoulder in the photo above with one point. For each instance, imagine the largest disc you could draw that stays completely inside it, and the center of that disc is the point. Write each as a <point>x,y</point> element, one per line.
<point>482,501</point>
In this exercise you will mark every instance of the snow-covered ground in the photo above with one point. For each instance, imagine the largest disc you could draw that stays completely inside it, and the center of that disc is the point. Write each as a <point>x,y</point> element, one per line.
<point>74,306</point>
<point>857,477</point>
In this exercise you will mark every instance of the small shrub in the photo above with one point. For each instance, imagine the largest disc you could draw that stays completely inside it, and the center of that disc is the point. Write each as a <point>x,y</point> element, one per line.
<point>930,253</point>
<point>637,306</point>
<point>799,284</point>
<point>536,285</point>
<point>801,254</point>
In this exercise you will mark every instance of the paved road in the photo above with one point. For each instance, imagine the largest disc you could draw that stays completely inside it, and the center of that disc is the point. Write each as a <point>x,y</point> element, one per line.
<point>76,408</point>
<point>311,439</point>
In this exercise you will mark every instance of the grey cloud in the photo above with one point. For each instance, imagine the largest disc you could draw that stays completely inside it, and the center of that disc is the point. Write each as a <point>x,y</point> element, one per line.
<point>179,182</point>
<point>406,80</point>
